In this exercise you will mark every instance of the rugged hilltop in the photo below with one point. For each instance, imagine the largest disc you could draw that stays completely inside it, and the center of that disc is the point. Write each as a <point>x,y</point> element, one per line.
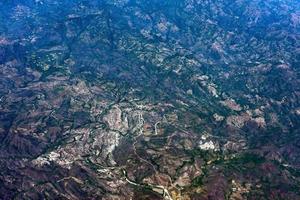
<point>174,99</point>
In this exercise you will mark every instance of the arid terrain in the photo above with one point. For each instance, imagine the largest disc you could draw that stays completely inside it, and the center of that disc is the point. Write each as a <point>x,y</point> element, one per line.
<point>150,100</point>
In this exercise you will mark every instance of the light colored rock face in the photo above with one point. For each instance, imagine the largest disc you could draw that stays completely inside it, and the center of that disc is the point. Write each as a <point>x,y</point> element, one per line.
<point>257,112</point>
<point>189,92</point>
<point>239,190</point>
<point>67,154</point>
<point>59,157</point>
<point>95,140</point>
<point>108,141</point>
<point>235,145</point>
<point>201,77</point>
<point>208,146</point>
<point>230,103</point>
<point>212,89</point>
<point>237,120</point>
<point>162,26</point>
<point>81,88</point>
<point>206,143</point>
<point>260,121</point>
<point>86,141</point>
<point>115,120</point>
<point>205,82</point>
<point>218,117</point>
<point>184,180</point>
